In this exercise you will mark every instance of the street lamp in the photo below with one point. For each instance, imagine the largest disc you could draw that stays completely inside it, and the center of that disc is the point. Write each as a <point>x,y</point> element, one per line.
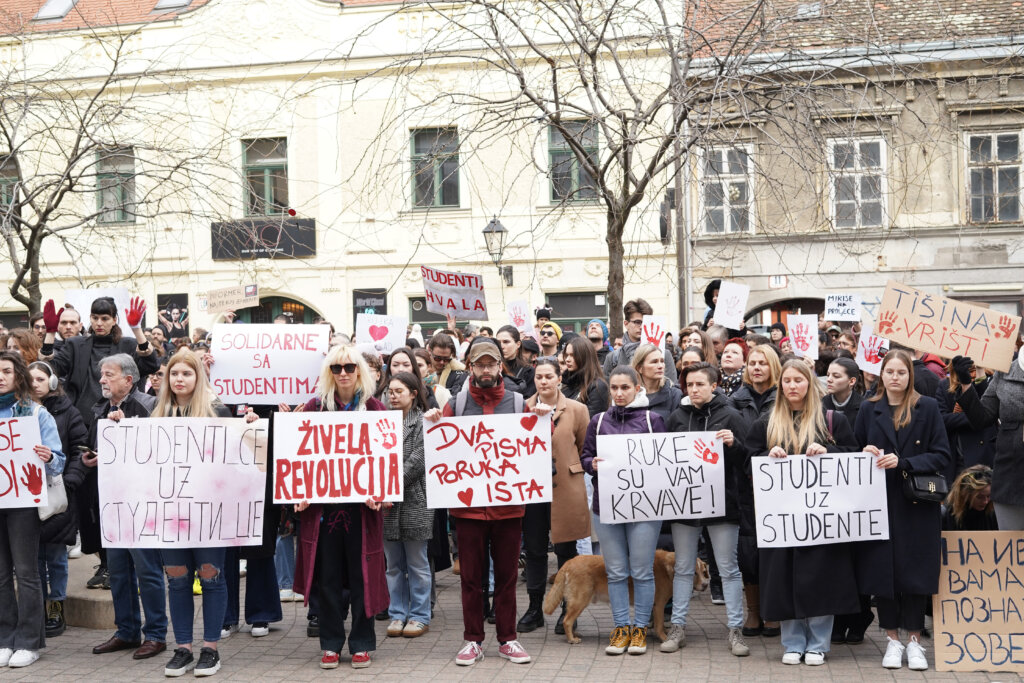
<point>494,237</point>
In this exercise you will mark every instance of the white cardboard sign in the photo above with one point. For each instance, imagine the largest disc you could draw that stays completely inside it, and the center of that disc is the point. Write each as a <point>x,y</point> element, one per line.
<point>82,300</point>
<point>842,307</point>
<point>457,294</point>
<point>22,473</point>
<point>338,457</point>
<point>488,460</point>
<point>871,349</point>
<point>267,364</point>
<point>678,475</point>
<point>731,305</point>
<point>805,500</point>
<point>182,482</point>
<point>384,332</point>
<point>803,335</point>
<point>653,330</point>
<point>519,315</point>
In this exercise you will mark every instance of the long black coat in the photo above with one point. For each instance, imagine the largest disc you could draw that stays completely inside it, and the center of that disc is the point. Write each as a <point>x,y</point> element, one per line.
<point>714,415</point>
<point>1003,401</point>
<point>751,406</point>
<point>807,581</point>
<point>968,446</point>
<point>61,528</point>
<point>909,561</point>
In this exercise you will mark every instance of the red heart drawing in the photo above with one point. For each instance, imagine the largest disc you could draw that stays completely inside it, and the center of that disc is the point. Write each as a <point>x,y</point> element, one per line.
<point>528,422</point>
<point>378,332</point>
<point>466,497</point>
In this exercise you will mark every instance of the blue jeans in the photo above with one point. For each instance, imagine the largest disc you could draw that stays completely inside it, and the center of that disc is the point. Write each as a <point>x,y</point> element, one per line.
<point>284,562</point>
<point>53,570</point>
<point>262,599</point>
<point>179,591</point>
<point>724,538</point>
<point>628,551</point>
<point>136,574</point>
<point>807,635</point>
<point>408,580</point>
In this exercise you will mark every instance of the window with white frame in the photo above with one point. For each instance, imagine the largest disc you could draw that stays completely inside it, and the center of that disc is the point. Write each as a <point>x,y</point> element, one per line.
<point>993,166</point>
<point>726,190</point>
<point>857,179</point>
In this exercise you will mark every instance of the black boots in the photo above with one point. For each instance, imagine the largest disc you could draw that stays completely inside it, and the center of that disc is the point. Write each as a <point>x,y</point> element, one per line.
<point>55,624</point>
<point>534,617</point>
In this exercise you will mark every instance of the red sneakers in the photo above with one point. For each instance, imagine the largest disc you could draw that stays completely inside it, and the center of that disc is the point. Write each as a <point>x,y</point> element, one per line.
<point>329,660</point>
<point>360,660</point>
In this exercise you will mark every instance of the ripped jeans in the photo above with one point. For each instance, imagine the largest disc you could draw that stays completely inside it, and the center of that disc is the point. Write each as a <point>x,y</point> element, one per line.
<point>180,565</point>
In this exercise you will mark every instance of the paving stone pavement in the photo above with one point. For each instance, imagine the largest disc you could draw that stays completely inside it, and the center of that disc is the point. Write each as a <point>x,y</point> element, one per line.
<point>288,655</point>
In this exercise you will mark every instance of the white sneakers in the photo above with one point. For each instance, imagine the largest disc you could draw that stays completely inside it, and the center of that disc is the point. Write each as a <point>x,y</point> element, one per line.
<point>791,658</point>
<point>814,658</point>
<point>23,658</point>
<point>893,658</point>
<point>5,656</point>
<point>916,661</point>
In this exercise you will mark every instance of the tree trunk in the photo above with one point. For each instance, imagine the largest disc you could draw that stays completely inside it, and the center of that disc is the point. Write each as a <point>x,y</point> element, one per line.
<point>616,280</point>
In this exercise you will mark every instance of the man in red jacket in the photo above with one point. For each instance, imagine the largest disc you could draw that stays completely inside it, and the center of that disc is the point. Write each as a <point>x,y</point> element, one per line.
<point>497,526</point>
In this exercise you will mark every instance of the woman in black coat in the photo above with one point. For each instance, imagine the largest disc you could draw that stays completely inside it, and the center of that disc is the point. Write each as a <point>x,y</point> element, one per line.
<point>968,446</point>
<point>904,431</point>
<point>59,531</point>
<point>582,379</point>
<point>804,586</point>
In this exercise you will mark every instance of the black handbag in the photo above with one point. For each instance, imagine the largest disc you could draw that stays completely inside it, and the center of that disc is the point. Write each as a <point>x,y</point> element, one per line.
<point>924,487</point>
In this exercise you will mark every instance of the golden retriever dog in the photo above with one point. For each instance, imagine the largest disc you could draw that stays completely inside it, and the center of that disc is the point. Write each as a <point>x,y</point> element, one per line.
<point>583,580</point>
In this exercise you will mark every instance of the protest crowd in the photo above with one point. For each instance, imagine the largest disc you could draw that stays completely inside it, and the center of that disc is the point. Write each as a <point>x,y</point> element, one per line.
<point>940,438</point>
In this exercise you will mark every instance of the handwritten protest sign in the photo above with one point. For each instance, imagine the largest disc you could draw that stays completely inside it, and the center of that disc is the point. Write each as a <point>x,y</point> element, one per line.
<point>458,294</point>
<point>813,500</point>
<point>22,473</point>
<point>732,304</point>
<point>660,476</point>
<point>979,609</point>
<point>653,329</point>
<point>871,349</point>
<point>842,307</point>
<point>385,332</point>
<point>172,482</point>
<point>488,460</point>
<point>518,315</point>
<point>82,300</point>
<point>232,298</point>
<point>338,457</point>
<point>803,335</point>
<point>267,364</point>
<point>947,327</point>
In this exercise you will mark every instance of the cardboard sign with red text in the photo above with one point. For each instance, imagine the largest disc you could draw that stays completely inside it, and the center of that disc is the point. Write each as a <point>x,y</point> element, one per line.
<point>871,349</point>
<point>653,329</point>
<point>457,294</point>
<point>732,305</point>
<point>267,364</point>
<point>384,332</point>
<point>338,457</point>
<point>679,475</point>
<point>947,327</point>
<point>181,482</point>
<point>22,473</point>
<point>803,335</point>
<point>488,460</point>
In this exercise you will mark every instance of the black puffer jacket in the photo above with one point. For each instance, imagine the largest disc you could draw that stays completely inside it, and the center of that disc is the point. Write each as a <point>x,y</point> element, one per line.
<point>597,393</point>
<point>61,528</point>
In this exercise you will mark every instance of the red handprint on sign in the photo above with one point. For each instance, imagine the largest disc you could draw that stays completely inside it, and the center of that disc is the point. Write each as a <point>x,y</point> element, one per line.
<point>801,337</point>
<point>732,305</point>
<point>653,333</point>
<point>33,479</point>
<point>387,433</point>
<point>518,316</point>
<point>704,452</point>
<point>1005,327</point>
<point>872,349</point>
<point>886,323</point>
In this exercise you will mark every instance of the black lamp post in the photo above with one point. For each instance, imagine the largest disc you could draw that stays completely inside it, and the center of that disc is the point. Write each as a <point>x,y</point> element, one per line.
<point>494,237</point>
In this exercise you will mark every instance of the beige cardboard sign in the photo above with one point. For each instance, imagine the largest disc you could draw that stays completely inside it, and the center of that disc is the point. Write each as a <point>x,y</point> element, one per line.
<point>979,609</point>
<point>947,327</point>
<point>232,298</point>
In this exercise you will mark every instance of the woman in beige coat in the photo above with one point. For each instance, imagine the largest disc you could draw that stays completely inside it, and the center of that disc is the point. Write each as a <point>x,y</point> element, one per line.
<point>567,516</point>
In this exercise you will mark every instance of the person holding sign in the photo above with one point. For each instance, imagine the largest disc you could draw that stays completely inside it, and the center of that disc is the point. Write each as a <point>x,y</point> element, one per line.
<point>565,518</point>
<point>628,548</point>
<point>663,396</point>
<point>905,433</point>
<point>1002,404</point>
<point>408,526</point>
<point>705,410</point>
<point>341,545</point>
<point>22,620</point>
<point>968,446</point>
<point>804,586</point>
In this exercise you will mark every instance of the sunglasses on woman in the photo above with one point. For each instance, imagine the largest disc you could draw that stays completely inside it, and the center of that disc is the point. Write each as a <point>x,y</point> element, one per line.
<point>349,368</point>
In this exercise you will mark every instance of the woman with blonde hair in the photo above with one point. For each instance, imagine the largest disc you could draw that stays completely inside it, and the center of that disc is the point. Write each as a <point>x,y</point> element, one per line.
<point>341,545</point>
<point>969,505</point>
<point>663,396</point>
<point>905,433</point>
<point>804,586</point>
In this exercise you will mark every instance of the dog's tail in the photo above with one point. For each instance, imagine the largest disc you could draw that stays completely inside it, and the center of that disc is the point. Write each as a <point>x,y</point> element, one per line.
<point>554,597</point>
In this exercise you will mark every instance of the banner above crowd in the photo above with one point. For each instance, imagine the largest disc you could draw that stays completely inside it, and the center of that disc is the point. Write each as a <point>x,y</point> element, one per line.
<point>267,364</point>
<point>456,294</point>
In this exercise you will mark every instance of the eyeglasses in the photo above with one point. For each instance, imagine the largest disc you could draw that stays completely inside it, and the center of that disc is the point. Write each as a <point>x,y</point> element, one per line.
<point>441,359</point>
<point>349,368</point>
<point>635,321</point>
<point>39,326</point>
<point>547,333</point>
